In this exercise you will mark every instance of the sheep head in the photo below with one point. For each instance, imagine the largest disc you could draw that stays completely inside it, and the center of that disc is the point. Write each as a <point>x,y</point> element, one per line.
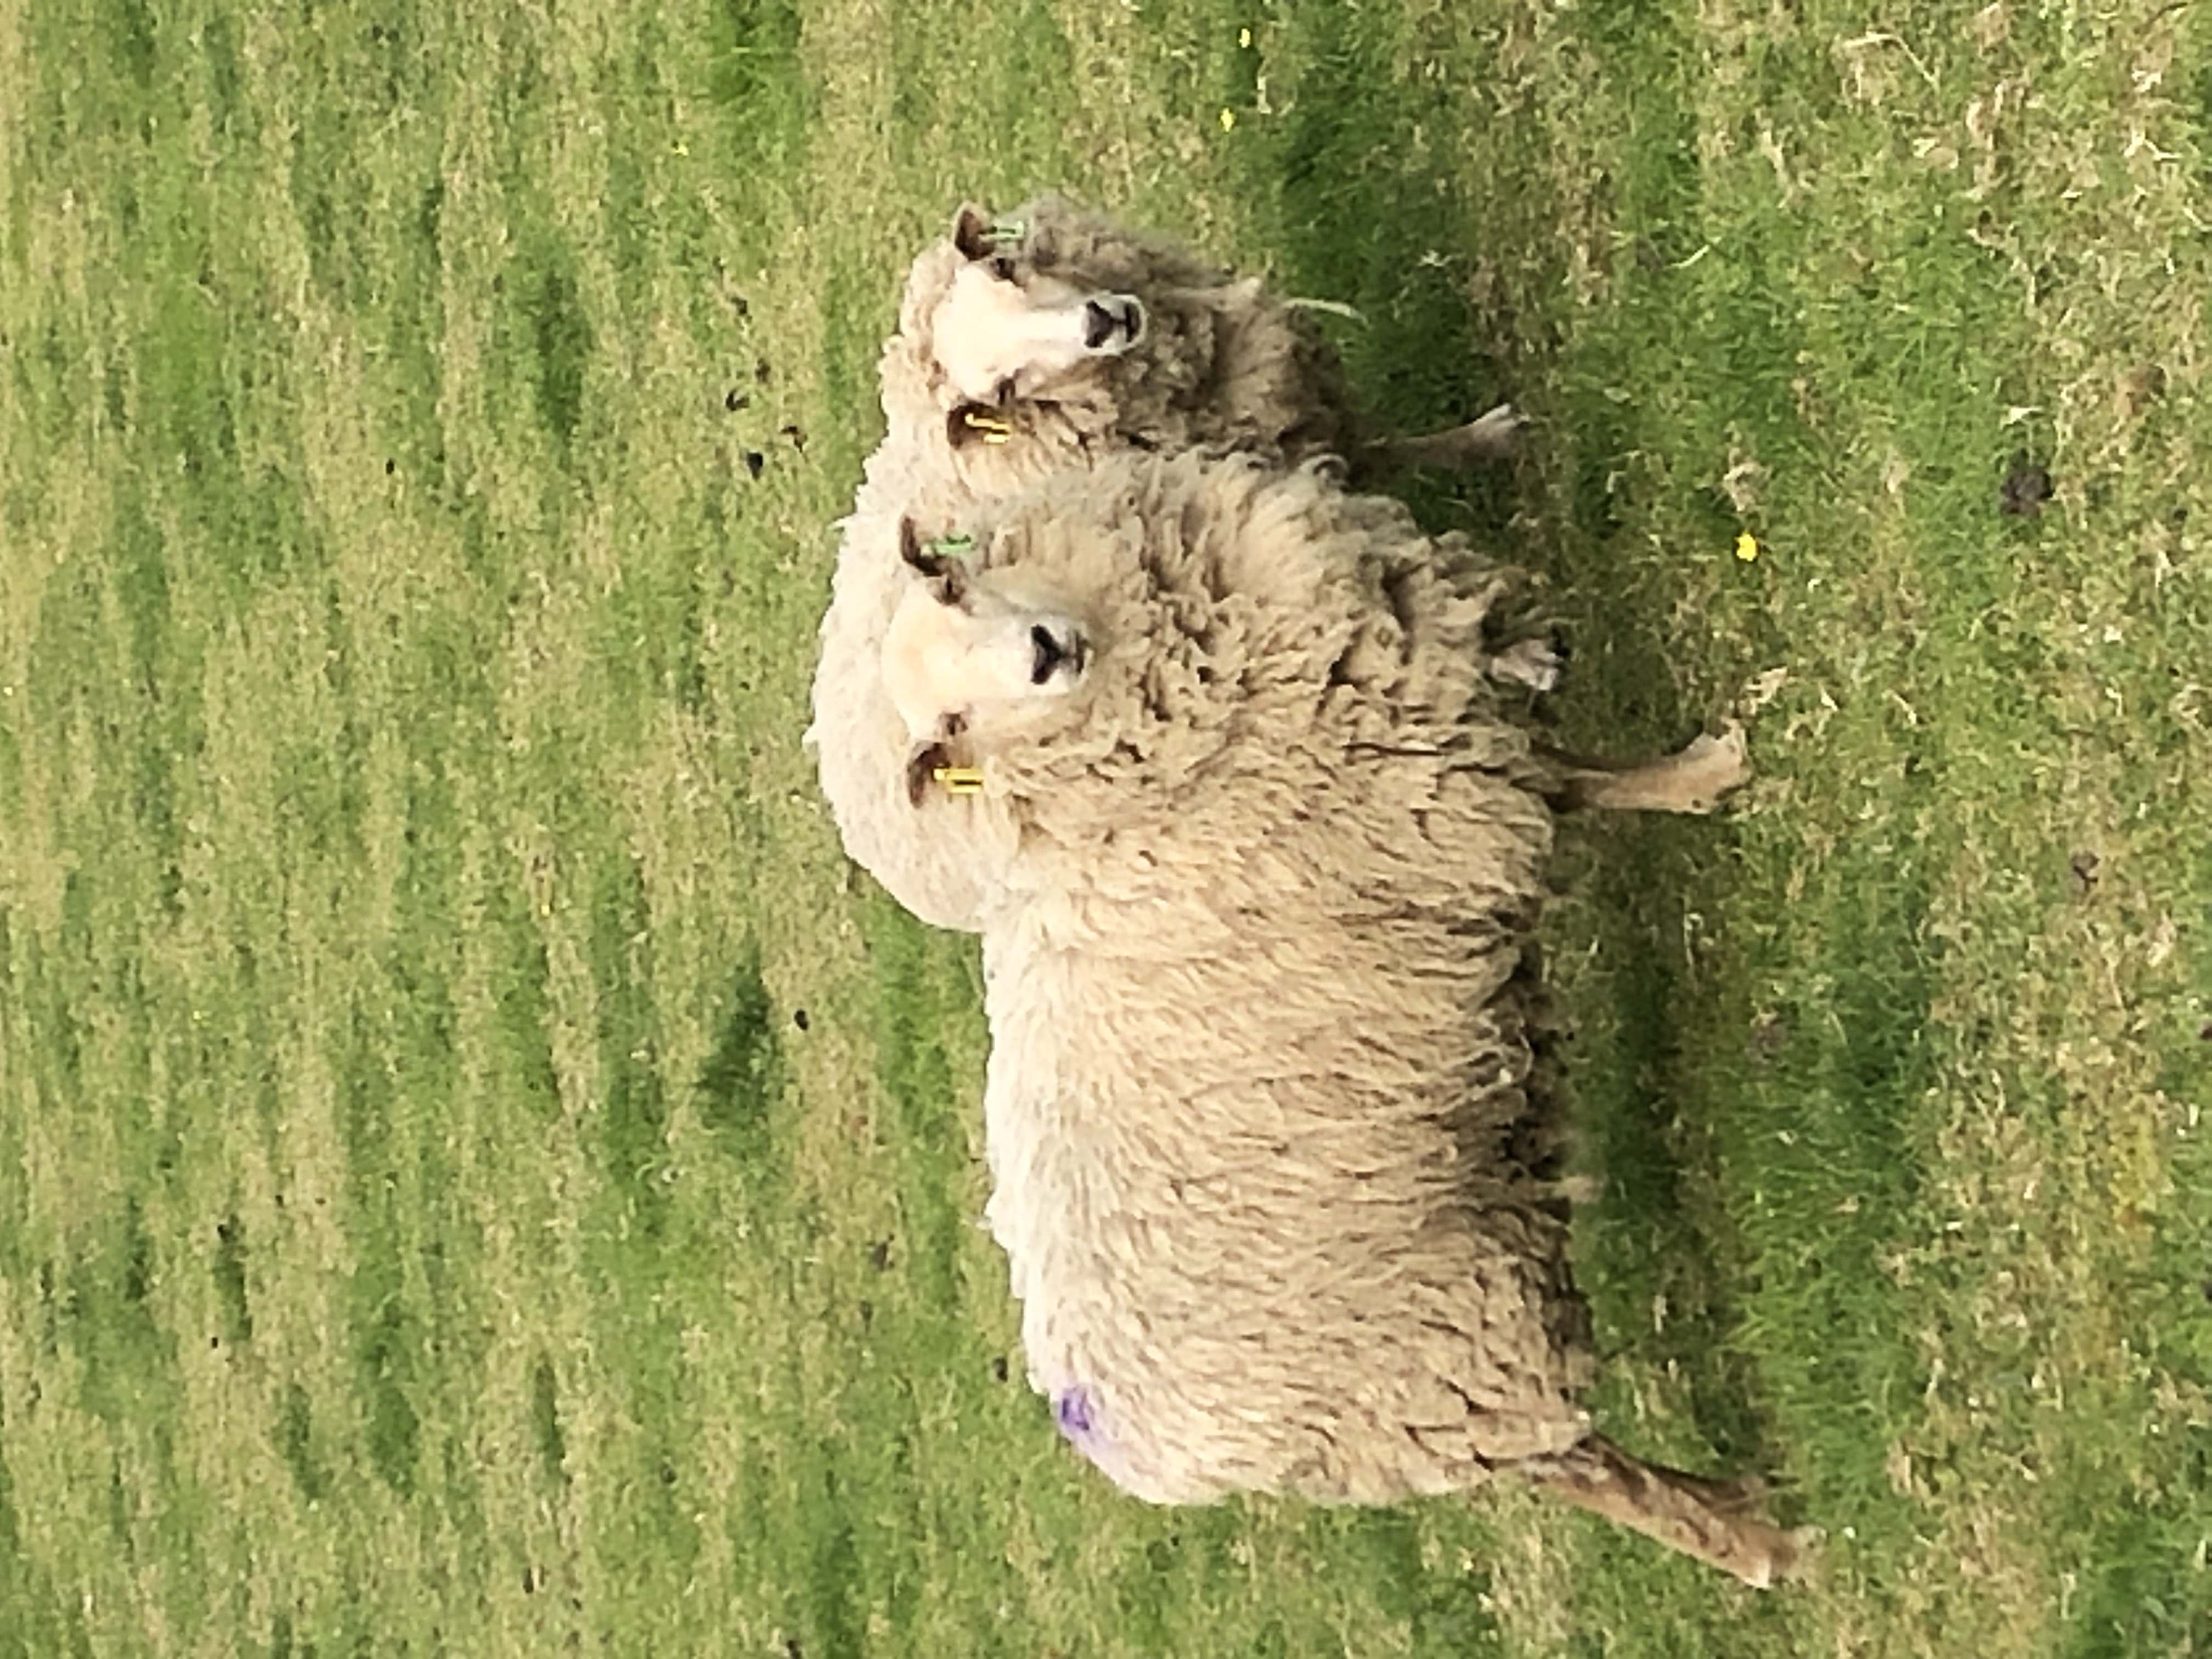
<point>1013,325</point>
<point>1027,339</point>
<point>959,651</point>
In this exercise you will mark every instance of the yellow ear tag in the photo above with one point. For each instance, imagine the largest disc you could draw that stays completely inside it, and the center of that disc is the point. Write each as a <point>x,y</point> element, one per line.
<point>1003,231</point>
<point>994,430</point>
<point>959,779</point>
<point>957,545</point>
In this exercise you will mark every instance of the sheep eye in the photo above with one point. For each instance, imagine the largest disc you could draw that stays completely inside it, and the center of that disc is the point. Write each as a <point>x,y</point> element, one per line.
<point>1005,393</point>
<point>1003,268</point>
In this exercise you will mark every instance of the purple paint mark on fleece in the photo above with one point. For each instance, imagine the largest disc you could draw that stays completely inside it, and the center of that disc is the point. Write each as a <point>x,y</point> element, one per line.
<point>1072,1411</point>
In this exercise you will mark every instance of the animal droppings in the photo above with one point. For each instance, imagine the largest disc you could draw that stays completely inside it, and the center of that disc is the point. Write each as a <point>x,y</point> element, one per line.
<point>2082,872</point>
<point>2026,488</point>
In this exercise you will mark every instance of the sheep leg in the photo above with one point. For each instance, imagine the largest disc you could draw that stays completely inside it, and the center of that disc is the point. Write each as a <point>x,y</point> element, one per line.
<point>1489,437</point>
<point>1692,780</point>
<point>1716,1521</point>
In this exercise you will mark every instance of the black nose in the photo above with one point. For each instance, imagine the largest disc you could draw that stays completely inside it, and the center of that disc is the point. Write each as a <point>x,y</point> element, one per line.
<point>1099,324</point>
<point>1052,656</point>
<point>1049,655</point>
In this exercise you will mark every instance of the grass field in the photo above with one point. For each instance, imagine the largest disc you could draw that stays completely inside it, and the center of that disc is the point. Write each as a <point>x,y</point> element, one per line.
<point>479,1174</point>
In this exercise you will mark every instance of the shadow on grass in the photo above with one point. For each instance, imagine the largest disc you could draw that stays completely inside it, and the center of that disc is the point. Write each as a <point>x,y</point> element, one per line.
<point>743,1077</point>
<point>1645,1127</point>
<point>1360,213</point>
<point>1760,1163</point>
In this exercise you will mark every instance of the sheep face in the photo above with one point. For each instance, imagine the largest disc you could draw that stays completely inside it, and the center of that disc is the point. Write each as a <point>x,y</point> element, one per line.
<point>960,653</point>
<point>1096,653</point>
<point>1031,340</point>
<point>1012,325</point>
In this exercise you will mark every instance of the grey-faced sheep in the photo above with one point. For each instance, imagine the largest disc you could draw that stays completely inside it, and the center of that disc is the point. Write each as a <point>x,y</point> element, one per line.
<point>1270,1127</point>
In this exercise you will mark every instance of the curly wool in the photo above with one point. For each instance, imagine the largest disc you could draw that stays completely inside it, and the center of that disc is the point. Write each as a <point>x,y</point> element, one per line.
<point>1266,1117</point>
<point>1226,364</point>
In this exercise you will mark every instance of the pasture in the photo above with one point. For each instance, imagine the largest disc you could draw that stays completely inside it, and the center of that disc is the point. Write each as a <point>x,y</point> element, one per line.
<point>480,1174</point>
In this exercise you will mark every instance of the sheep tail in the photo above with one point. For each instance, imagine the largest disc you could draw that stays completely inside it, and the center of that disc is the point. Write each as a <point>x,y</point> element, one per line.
<point>1717,1522</point>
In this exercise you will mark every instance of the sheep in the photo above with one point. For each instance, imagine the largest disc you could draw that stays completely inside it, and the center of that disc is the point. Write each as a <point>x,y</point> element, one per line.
<point>1027,344</point>
<point>1051,334</point>
<point>1270,1122</point>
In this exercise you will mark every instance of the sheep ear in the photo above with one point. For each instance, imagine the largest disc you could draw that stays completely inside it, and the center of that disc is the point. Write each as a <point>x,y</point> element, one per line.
<point>933,561</point>
<point>921,770</point>
<point>929,558</point>
<point>971,231</point>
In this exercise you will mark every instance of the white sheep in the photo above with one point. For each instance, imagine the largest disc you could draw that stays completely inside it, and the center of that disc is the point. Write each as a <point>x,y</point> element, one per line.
<point>1043,337</point>
<point>1027,344</point>
<point>1271,1131</point>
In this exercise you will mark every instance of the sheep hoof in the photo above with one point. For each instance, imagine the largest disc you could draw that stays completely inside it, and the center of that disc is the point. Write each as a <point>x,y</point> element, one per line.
<point>1714,766</point>
<point>1491,437</point>
<point>1791,1556</point>
<point>1495,434</point>
<point>1533,663</point>
<point>1693,779</point>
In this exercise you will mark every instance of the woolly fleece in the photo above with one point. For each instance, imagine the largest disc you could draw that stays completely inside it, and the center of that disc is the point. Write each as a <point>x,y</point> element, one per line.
<point>1225,364</point>
<point>1266,1122</point>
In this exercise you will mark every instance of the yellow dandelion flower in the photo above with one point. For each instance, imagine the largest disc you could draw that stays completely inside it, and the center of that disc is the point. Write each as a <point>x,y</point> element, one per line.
<point>1228,120</point>
<point>1244,39</point>
<point>1747,547</point>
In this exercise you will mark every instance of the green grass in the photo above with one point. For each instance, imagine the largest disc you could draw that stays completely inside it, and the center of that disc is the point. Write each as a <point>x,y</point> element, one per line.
<point>479,1173</point>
